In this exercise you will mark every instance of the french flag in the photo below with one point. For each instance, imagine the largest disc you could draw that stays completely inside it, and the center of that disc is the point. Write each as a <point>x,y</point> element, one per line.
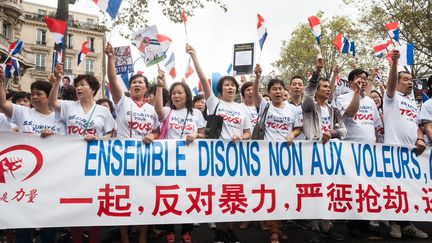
<point>170,66</point>
<point>381,47</point>
<point>406,54</point>
<point>57,29</point>
<point>189,69</point>
<point>16,47</point>
<point>315,26</point>
<point>262,31</point>
<point>57,58</point>
<point>110,6</point>
<point>12,67</point>
<point>83,52</point>
<point>352,48</point>
<point>346,46</point>
<point>339,42</point>
<point>393,30</point>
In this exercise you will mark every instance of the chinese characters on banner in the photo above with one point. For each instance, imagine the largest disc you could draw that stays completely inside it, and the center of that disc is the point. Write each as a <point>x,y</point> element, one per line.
<point>117,182</point>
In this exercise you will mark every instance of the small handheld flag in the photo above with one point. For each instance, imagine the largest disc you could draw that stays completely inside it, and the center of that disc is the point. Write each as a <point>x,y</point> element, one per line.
<point>406,54</point>
<point>381,47</point>
<point>315,26</point>
<point>339,42</point>
<point>170,66</point>
<point>262,31</point>
<point>12,68</point>
<point>83,52</point>
<point>57,29</point>
<point>110,6</point>
<point>15,47</point>
<point>393,30</point>
<point>189,69</point>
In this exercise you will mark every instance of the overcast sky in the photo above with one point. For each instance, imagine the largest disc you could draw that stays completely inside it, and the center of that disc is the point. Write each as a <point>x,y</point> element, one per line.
<point>213,32</point>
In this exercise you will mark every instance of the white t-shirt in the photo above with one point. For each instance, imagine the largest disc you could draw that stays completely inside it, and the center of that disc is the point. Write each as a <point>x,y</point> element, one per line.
<point>28,120</point>
<point>178,127</point>
<point>425,114</point>
<point>235,116</point>
<point>253,115</point>
<point>326,122</point>
<point>361,127</point>
<point>134,120</point>
<point>400,119</point>
<point>5,125</point>
<point>97,121</point>
<point>301,136</point>
<point>280,121</point>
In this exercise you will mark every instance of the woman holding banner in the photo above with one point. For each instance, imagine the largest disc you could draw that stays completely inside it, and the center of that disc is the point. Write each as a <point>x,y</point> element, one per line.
<point>82,118</point>
<point>236,123</point>
<point>135,117</point>
<point>180,121</point>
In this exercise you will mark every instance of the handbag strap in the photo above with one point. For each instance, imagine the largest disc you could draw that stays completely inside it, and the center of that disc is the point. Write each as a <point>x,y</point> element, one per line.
<point>264,115</point>
<point>214,113</point>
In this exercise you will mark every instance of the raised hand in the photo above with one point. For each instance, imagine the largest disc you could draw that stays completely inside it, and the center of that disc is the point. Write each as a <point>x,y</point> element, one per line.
<point>109,50</point>
<point>258,70</point>
<point>161,80</point>
<point>190,50</point>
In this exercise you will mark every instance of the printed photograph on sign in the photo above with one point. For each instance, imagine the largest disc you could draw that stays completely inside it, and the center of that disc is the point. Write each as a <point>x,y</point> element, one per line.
<point>123,59</point>
<point>147,43</point>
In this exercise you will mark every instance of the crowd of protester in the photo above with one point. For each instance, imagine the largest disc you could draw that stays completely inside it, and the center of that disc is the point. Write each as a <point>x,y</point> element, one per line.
<point>299,110</point>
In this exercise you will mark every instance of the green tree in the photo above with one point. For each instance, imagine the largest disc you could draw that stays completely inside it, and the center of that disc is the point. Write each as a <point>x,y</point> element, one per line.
<point>415,23</point>
<point>298,54</point>
<point>133,13</point>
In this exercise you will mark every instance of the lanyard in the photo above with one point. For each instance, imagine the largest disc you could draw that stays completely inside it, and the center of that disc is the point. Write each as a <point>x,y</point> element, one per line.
<point>89,119</point>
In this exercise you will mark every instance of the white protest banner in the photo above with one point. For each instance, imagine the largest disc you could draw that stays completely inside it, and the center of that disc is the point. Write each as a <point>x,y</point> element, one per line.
<point>63,181</point>
<point>123,60</point>
<point>147,43</point>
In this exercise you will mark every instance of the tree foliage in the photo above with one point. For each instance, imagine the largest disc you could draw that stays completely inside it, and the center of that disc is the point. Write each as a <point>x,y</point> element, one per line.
<point>133,12</point>
<point>415,22</point>
<point>298,54</point>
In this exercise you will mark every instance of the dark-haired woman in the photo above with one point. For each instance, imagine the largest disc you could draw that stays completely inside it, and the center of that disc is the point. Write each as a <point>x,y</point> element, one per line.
<point>184,122</point>
<point>236,123</point>
<point>82,118</point>
<point>135,118</point>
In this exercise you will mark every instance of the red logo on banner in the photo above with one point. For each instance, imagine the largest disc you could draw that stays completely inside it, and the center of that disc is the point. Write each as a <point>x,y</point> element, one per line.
<point>11,160</point>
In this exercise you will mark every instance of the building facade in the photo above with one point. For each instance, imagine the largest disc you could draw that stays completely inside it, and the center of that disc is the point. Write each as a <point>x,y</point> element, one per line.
<point>24,20</point>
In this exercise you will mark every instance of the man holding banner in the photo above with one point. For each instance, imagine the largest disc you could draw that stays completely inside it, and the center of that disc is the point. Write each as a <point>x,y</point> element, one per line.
<point>401,107</point>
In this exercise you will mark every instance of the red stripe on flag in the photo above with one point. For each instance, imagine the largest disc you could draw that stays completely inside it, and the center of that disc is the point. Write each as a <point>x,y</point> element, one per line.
<point>260,21</point>
<point>313,21</point>
<point>183,16</point>
<point>392,26</point>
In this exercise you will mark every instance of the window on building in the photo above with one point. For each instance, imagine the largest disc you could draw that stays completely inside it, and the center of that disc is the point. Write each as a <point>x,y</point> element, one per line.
<point>69,41</point>
<point>7,30</point>
<point>40,61</point>
<point>41,14</point>
<point>68,65</point>
<point>41,37</point>
<point>90,43</point>
<point>70,20</point>
<point>89,66</point>
<point>90,23</point>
